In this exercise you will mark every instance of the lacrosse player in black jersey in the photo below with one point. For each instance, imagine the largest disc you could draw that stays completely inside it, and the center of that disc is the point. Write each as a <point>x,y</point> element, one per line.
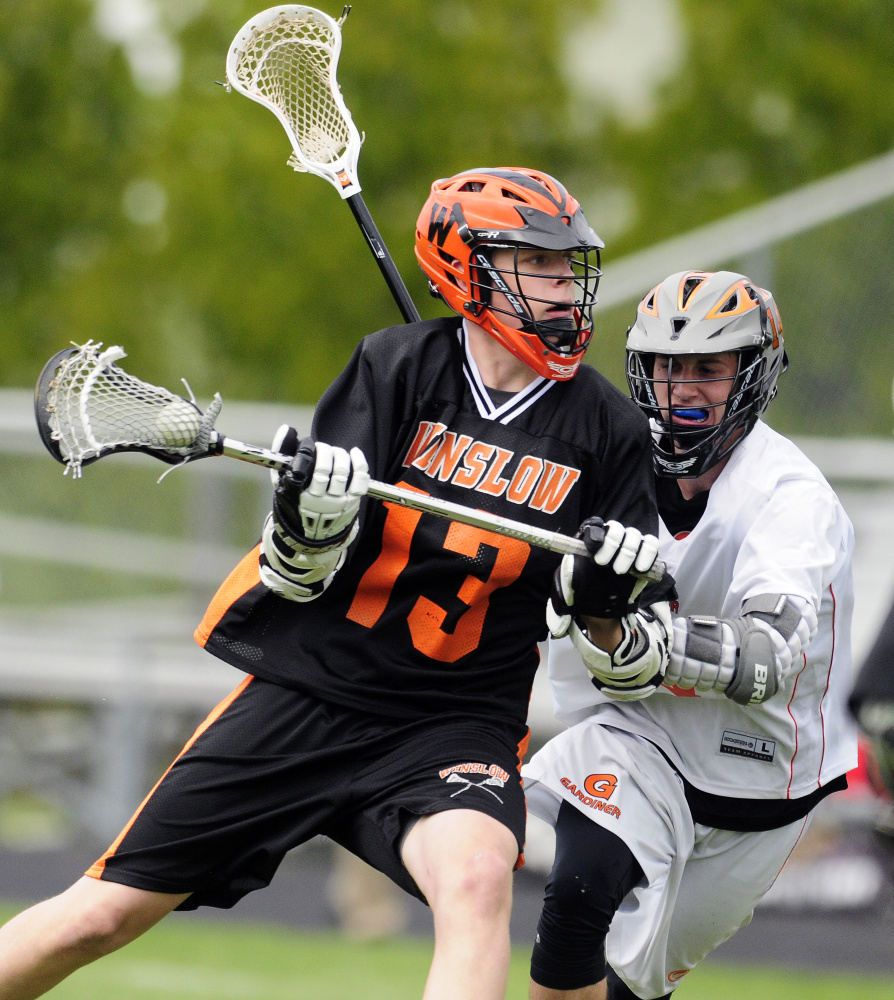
<point>389,655</point>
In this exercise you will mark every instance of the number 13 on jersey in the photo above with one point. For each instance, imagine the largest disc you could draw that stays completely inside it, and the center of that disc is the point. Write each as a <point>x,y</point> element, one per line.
<point>426,619</point>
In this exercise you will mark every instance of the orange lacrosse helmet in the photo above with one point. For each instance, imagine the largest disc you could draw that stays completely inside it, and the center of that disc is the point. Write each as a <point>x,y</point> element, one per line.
<point>467,217</point>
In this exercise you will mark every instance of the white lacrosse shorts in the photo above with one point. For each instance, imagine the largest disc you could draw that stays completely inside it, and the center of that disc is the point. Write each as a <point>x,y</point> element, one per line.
<point>701,884</point>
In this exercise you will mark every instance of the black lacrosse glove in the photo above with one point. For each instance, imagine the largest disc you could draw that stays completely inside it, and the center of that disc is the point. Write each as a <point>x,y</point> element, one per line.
<point>293,481</point>
<point>318,497</point>
<point>604,589</point>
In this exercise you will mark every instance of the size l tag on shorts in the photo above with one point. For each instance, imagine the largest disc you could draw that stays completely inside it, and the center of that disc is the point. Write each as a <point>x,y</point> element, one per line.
<point>744,745</point>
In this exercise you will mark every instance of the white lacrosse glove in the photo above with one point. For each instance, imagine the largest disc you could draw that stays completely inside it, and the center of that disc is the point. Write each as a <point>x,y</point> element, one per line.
<point>314,517</point>
<point>318,497</point>
<point>638,664</point>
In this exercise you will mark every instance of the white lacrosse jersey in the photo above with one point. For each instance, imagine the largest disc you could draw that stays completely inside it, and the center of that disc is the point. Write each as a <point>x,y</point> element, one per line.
<point>772,525</point>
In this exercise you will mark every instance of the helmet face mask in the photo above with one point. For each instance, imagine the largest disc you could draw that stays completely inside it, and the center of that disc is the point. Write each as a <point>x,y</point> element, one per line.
<point>502,289</point>
<point>690,316</point>
<point>477,239</point>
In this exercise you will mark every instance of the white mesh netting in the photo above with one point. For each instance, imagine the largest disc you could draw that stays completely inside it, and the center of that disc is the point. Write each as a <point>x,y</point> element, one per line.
<point>94,407</point>
<point>288,62</point>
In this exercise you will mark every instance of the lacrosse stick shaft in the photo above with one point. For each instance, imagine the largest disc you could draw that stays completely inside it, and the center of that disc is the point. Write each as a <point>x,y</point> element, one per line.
<point>383,259</point>
<point>554,541</point>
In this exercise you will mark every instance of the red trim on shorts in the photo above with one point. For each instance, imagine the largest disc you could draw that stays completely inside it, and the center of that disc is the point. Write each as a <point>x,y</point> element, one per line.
<point>792,851</point>
<point>96,869</point>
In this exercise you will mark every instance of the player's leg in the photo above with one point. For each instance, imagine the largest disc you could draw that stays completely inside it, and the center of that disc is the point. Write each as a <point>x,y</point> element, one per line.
<point>462,861</point>
<point>593,776</point>
<point>42,945</point>
<point>593,871</point>
<point>214,827</point>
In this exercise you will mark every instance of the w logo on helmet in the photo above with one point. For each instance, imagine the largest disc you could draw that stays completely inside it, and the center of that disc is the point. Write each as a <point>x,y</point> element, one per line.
<point>440,225</point>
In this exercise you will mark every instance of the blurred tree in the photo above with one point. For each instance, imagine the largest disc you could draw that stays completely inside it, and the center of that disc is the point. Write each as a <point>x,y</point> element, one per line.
<point>143,205</point>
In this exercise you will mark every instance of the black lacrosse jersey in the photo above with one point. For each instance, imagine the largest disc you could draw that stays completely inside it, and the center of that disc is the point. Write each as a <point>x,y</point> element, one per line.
<point>875,679</point>
<point>429,616</point>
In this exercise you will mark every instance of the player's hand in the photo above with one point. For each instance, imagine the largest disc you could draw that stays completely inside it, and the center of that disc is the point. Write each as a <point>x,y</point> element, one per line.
<point>603,586</point>
<point>637,667</point>
<point>618,548</point>
<point>318,496</point>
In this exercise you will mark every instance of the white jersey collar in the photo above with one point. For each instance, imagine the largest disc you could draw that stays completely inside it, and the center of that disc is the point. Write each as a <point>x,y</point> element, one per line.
<point>516,404</point>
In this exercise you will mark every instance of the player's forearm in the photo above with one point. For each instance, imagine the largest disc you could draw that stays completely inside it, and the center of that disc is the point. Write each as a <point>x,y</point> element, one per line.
<point>603,632</point>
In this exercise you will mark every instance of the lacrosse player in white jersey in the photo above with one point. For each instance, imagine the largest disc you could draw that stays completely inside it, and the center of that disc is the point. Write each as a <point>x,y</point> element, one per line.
<point>676,806</point>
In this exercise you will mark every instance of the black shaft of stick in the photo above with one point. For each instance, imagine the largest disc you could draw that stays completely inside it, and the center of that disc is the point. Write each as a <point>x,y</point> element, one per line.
<point>383,259</point>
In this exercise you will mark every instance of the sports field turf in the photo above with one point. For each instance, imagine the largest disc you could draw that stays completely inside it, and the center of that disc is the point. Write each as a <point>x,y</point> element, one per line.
<point>190,959</point>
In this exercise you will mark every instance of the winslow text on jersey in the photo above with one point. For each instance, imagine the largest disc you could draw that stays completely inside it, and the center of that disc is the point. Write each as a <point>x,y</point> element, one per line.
<point>477,465</point>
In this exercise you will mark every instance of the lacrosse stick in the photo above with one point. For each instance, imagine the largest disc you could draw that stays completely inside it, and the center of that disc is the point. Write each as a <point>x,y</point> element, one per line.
<point>87,407</point>
<point>286,58</point>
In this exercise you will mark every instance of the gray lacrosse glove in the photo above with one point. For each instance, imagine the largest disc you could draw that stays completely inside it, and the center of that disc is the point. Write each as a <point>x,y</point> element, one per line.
<point>746,658</point>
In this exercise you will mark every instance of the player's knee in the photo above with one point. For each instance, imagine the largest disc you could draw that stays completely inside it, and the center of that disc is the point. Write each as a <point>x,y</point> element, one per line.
<point>91,930</point>
<point>485,883</point>
<point>91,924</point>
<point>593,871</point>
<point>617,989</point>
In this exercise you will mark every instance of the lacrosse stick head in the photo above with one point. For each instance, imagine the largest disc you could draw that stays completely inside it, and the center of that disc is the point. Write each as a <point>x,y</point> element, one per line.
<point>87,407</point>
<point>286,59</point>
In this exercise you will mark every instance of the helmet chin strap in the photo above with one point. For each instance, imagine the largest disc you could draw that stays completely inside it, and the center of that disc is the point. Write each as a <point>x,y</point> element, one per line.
<point>564,330</point>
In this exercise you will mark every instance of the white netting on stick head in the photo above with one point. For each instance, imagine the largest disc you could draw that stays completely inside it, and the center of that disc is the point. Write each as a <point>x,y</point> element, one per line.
<point>94,408</point>
<point>286,59</point>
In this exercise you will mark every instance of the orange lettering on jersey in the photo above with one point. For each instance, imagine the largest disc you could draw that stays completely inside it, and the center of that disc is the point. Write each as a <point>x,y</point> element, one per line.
<point>427,618</point>
<point>601,786</point>
<point>425,438</point>
<point>553,487</point>
<point>478,465</point>
<point>492,483</point>
<point>474,465</point>
<point>445,459</point>
<point>525,479</point>
<point>377,583</point>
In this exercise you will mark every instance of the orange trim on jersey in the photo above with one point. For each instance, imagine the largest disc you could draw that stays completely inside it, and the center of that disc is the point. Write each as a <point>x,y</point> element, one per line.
<point>246,575</point>
<point>523,748</point>
<point>96,869</point>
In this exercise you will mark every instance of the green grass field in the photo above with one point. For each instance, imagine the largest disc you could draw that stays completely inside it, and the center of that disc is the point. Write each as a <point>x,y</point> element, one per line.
<point>189,959</point>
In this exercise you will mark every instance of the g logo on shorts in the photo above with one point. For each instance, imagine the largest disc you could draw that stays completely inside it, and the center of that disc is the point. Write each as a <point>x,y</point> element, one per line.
<point>600,786</point>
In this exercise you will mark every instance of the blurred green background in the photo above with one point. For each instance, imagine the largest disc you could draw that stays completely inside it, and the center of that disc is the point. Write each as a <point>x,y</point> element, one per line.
<point>144,205</point>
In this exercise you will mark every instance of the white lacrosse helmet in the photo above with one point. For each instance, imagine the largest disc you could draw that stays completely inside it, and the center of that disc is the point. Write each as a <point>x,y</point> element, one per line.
<point>705,312</point>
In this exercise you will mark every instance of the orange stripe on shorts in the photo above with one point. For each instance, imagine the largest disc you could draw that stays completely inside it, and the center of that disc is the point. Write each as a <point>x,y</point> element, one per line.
<point>96,869</point>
